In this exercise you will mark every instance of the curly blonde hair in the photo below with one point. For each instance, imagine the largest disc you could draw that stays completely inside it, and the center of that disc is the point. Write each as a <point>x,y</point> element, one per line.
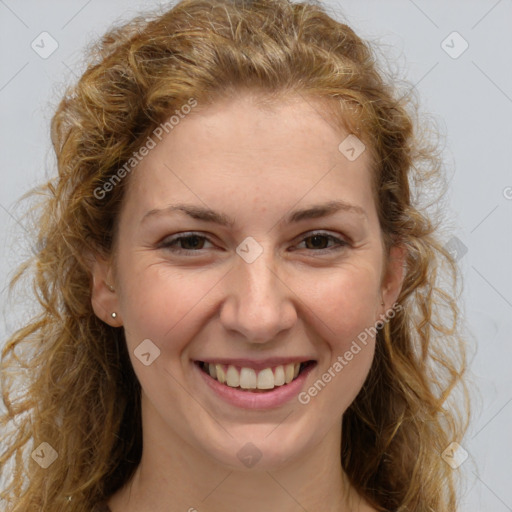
<point>66,375</point>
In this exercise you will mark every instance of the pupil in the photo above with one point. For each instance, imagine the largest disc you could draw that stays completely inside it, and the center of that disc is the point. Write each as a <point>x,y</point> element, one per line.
<point>318,238</point>
<point>187,241</point>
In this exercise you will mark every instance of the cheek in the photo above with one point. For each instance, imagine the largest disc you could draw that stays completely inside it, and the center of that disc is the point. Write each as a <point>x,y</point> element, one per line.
<point>163,303</point>
<point>345,311</point>
<point>159,301</point>
<point>344,301</point>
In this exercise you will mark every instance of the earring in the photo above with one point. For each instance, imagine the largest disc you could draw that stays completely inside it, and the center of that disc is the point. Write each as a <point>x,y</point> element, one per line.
<point>114,315</point>
<point>110,287</point>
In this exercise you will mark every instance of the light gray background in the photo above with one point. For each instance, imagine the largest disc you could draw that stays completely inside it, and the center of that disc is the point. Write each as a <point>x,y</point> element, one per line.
<point>471,96</point>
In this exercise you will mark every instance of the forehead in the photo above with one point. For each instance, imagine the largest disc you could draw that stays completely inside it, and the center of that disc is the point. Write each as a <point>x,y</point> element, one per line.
<point>247,149</point>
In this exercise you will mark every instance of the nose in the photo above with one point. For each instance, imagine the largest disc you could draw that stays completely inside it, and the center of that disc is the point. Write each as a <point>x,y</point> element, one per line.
<point>259,303</point>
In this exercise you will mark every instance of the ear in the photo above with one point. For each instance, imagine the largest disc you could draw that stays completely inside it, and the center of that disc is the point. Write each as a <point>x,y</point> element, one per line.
<point>104,297</point>
<point>394,276</point>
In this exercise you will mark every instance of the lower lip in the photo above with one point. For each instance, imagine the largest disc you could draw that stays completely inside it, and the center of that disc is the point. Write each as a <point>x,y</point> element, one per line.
<point>249,400</point>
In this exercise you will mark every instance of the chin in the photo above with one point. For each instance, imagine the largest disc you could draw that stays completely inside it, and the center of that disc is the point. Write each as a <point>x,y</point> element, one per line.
<point>261,447</point>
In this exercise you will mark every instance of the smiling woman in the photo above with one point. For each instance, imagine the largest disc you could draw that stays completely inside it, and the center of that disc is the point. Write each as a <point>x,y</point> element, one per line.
<point>249,313</point>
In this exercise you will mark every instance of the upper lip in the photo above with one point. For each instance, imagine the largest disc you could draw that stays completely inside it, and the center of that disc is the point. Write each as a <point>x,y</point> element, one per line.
<point>260,364</point>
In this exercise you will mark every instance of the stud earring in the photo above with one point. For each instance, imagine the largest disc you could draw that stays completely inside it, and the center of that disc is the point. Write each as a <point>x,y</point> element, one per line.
<point>110,287</point>
<point>113,315</point>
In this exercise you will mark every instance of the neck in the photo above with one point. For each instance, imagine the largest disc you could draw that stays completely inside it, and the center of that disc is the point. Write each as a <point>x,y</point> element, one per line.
<point>174,476</point>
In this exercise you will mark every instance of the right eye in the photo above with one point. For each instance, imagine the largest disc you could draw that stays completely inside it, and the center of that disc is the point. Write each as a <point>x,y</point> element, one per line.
<point>190,242</point>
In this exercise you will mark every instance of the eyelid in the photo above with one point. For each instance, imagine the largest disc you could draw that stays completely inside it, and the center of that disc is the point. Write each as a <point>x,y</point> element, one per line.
<point>166,241</point>
<point>340,241</point>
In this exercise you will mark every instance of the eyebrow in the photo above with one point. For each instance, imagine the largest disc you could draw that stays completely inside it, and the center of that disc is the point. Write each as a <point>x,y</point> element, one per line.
<point>208,215</point>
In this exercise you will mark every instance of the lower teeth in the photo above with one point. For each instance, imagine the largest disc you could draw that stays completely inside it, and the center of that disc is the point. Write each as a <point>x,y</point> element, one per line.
<point>255,390</point>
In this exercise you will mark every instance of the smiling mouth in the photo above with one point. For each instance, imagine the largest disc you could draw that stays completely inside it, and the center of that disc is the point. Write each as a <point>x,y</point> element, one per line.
<point>248,379</point>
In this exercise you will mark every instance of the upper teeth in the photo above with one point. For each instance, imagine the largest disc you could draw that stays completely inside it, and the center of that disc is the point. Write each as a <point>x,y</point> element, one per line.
<point>247,378</point>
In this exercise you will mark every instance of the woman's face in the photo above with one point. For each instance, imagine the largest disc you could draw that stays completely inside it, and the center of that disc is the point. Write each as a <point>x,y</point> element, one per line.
<point>274,288</point>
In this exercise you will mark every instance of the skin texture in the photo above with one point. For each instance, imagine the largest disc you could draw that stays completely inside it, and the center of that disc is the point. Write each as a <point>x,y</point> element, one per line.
<point>256,165</point>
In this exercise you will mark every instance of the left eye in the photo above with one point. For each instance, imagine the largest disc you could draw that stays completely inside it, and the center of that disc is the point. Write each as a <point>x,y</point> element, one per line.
<point>194,242</point>
<point>317,240</point>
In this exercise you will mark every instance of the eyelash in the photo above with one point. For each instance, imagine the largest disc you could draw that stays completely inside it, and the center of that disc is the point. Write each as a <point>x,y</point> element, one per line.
<point>169,242</point>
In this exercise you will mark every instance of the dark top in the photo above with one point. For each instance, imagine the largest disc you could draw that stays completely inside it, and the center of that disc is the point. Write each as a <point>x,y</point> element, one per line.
<point>101,507</point>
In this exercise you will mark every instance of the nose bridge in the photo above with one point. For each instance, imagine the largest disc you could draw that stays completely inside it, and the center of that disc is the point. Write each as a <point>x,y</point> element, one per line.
<point>258,304</point>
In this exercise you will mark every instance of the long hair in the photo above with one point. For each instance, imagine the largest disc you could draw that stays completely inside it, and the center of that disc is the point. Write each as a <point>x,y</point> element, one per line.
<point>66,375</point>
